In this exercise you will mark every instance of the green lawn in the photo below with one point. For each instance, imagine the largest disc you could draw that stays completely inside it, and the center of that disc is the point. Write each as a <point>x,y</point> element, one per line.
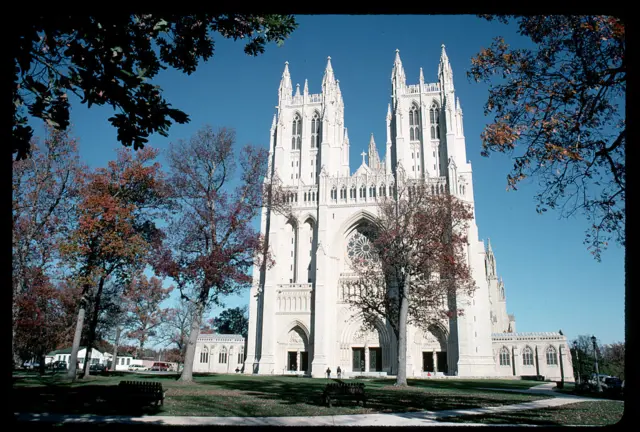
<point>243,395</point>
<point>596,413</point>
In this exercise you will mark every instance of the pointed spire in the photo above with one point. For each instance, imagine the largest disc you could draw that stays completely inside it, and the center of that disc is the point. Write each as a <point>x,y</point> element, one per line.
<point>285,82</point>
<point>273,123</point>
<point>346,135</point>
<point>389,112</point>
<point>421,77</point>
<point>458,104</point>
<point>306,87</point>
<point>489,245</point>
<point>445,75</point>
<point>374,158</point>
<point>328,79</point>
<point>297,89</point>
<point>338,88</point>
<point>397,75</point>
<point>372,141</point>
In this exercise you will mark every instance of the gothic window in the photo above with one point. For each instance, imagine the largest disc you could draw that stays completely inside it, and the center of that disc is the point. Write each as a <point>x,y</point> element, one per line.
<point>241,355</point>
<point>222,357</point>
<point>204,356</point>
<point>505,359</point>
<point>296,132</point>
<point>334,193</point>
<point>552,356</point>
<point>353,192</point>
<point>527,356</point>
<point>434,114</point>
<point>383,190</point>
<point>414,123</point>
<point>343,192</point>
<point>363,192</point>
<point>359,247</point>
<point>372,191</point>
<point>315,130</point>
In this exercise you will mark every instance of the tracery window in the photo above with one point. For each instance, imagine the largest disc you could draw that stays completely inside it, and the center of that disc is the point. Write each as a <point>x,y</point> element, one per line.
<point>204,356</point>
<point>334,193</point>
<point>505,359</point>
<point>527,356</point>
<point>222,357</point>
<point>434,114</point>
<point>414,123</point>
<point>296,132</point>
<point>315,130</point>
<point>552,356</point>
<point>359,247</point>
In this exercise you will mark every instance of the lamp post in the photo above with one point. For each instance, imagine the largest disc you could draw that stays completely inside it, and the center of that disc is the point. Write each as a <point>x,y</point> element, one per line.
<point>595,355</point>
<point>575,350</point>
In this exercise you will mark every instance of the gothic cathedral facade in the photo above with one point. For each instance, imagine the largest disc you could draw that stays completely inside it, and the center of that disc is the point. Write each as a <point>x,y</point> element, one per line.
<point>299,322</point>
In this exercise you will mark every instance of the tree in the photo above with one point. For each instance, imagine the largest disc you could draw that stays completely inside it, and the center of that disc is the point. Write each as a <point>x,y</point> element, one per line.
<point>39,322</point>
<point>44,189</point>
<point>110,59</point>
<point>559,110</point>
<point>613,356</point>
<point>233,321</point>
<point>144,297</point>
<point>115,233</point>
<point>411,266</point>
<point>212,240</point>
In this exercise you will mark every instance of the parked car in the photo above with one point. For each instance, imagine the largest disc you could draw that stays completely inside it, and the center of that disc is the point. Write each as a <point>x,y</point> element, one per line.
<point>97,368</point>
<point>612,384</point>
<point>161,367</point>
<point>136,367</point>
<point>31,365</point>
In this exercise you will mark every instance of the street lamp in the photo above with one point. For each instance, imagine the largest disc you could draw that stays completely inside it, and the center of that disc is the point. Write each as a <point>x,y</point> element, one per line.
<point>575,350</point>
<point>595,354</point>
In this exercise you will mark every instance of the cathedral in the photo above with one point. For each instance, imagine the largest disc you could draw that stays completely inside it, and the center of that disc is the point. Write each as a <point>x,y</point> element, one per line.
<point>299,321</point>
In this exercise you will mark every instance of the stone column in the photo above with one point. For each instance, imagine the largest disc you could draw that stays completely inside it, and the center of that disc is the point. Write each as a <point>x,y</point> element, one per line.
<point>435,362</point>
<point>515,356</point>
<point>298,361</point>
<point>366,357</point>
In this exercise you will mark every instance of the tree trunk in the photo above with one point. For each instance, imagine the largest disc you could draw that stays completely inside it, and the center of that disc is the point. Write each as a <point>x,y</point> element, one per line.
<point>401,378</point>
<point>42,365</point>
<point>92,328</point>
<point>73,358</point>
<point>187,372</point>
<point>114,359</point>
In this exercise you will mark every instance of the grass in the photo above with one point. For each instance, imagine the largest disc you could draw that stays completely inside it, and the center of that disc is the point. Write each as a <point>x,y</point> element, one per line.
<point>592,413</point>
<point>257,396</point>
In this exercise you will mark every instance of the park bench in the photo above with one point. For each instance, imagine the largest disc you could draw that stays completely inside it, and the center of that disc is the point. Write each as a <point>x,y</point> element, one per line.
<point>340,389</point>
<point>141,392</point>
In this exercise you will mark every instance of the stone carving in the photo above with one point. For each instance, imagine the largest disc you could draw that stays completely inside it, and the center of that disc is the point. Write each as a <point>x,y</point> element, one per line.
<point>360,248</point>
<point>294,337</point>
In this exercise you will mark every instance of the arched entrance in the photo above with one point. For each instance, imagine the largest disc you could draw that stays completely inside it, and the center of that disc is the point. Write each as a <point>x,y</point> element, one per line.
<point>294,350</point>
<point>364,350</point>
<point>432,349</point>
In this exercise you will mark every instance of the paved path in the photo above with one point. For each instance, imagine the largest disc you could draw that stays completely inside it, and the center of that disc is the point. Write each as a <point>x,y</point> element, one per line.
<point>424,418</point>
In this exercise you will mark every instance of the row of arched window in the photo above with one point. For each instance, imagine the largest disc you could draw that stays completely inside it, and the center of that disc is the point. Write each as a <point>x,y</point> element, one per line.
<point>296,131</point>
<point>353,192</point>
<point>222,355</point>
<point>527,356</point>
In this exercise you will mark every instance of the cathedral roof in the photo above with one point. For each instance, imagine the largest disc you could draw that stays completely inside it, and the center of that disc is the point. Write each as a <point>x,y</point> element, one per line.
<point>527,336</point>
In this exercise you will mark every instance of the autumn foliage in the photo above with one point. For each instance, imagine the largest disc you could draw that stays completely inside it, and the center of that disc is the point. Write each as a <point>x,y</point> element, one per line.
<point>559,109</point>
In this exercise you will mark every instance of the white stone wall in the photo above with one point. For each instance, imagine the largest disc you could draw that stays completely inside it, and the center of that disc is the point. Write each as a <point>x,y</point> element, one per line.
<point>209,347</point>
<point>551,367</point>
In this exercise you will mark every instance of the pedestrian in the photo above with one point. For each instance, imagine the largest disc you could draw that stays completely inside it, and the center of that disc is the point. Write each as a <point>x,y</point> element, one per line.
<point>339,371</point>
<point>328,372</point>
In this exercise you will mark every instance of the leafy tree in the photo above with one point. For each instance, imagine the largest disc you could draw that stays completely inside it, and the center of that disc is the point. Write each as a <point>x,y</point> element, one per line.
<point>115,233</point>
<point>233,321</point>
<point>40,320</point>
<point>417,268</point>
<point>144,297</point>
<point>44,189</point>
<point>559,110</point>
<point>613,359</point>
<point>213,243</point>
<point>110,60</point>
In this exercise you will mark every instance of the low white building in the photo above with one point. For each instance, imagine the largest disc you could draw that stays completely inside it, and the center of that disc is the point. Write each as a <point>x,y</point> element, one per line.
<point>123,361</point>
<point>65,355</point>
<point>218,353</point>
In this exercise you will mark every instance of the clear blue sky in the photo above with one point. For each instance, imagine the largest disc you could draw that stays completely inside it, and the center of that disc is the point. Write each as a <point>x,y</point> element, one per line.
<point>551,281</point>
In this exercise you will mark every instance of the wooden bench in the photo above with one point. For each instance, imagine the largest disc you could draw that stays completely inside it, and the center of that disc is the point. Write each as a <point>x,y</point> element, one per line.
<point>141,392</point>
<point>340,389</point>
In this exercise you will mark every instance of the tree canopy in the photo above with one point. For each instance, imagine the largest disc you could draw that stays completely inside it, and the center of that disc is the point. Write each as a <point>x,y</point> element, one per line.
<point>110,60</point>
<point>559,110</point>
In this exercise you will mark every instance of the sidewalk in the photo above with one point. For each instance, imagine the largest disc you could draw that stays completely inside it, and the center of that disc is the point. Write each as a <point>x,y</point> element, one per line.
<point>424,418</point>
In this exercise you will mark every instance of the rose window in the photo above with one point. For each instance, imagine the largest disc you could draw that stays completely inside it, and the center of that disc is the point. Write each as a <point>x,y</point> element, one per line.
<point>360,248</point>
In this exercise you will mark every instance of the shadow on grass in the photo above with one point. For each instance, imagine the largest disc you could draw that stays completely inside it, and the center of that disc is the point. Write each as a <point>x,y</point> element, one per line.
<point>381,395</point>
<point>84,399</point>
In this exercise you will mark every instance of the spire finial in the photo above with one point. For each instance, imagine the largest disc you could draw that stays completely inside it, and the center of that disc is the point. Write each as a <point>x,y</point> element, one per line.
<point>363,154</point>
